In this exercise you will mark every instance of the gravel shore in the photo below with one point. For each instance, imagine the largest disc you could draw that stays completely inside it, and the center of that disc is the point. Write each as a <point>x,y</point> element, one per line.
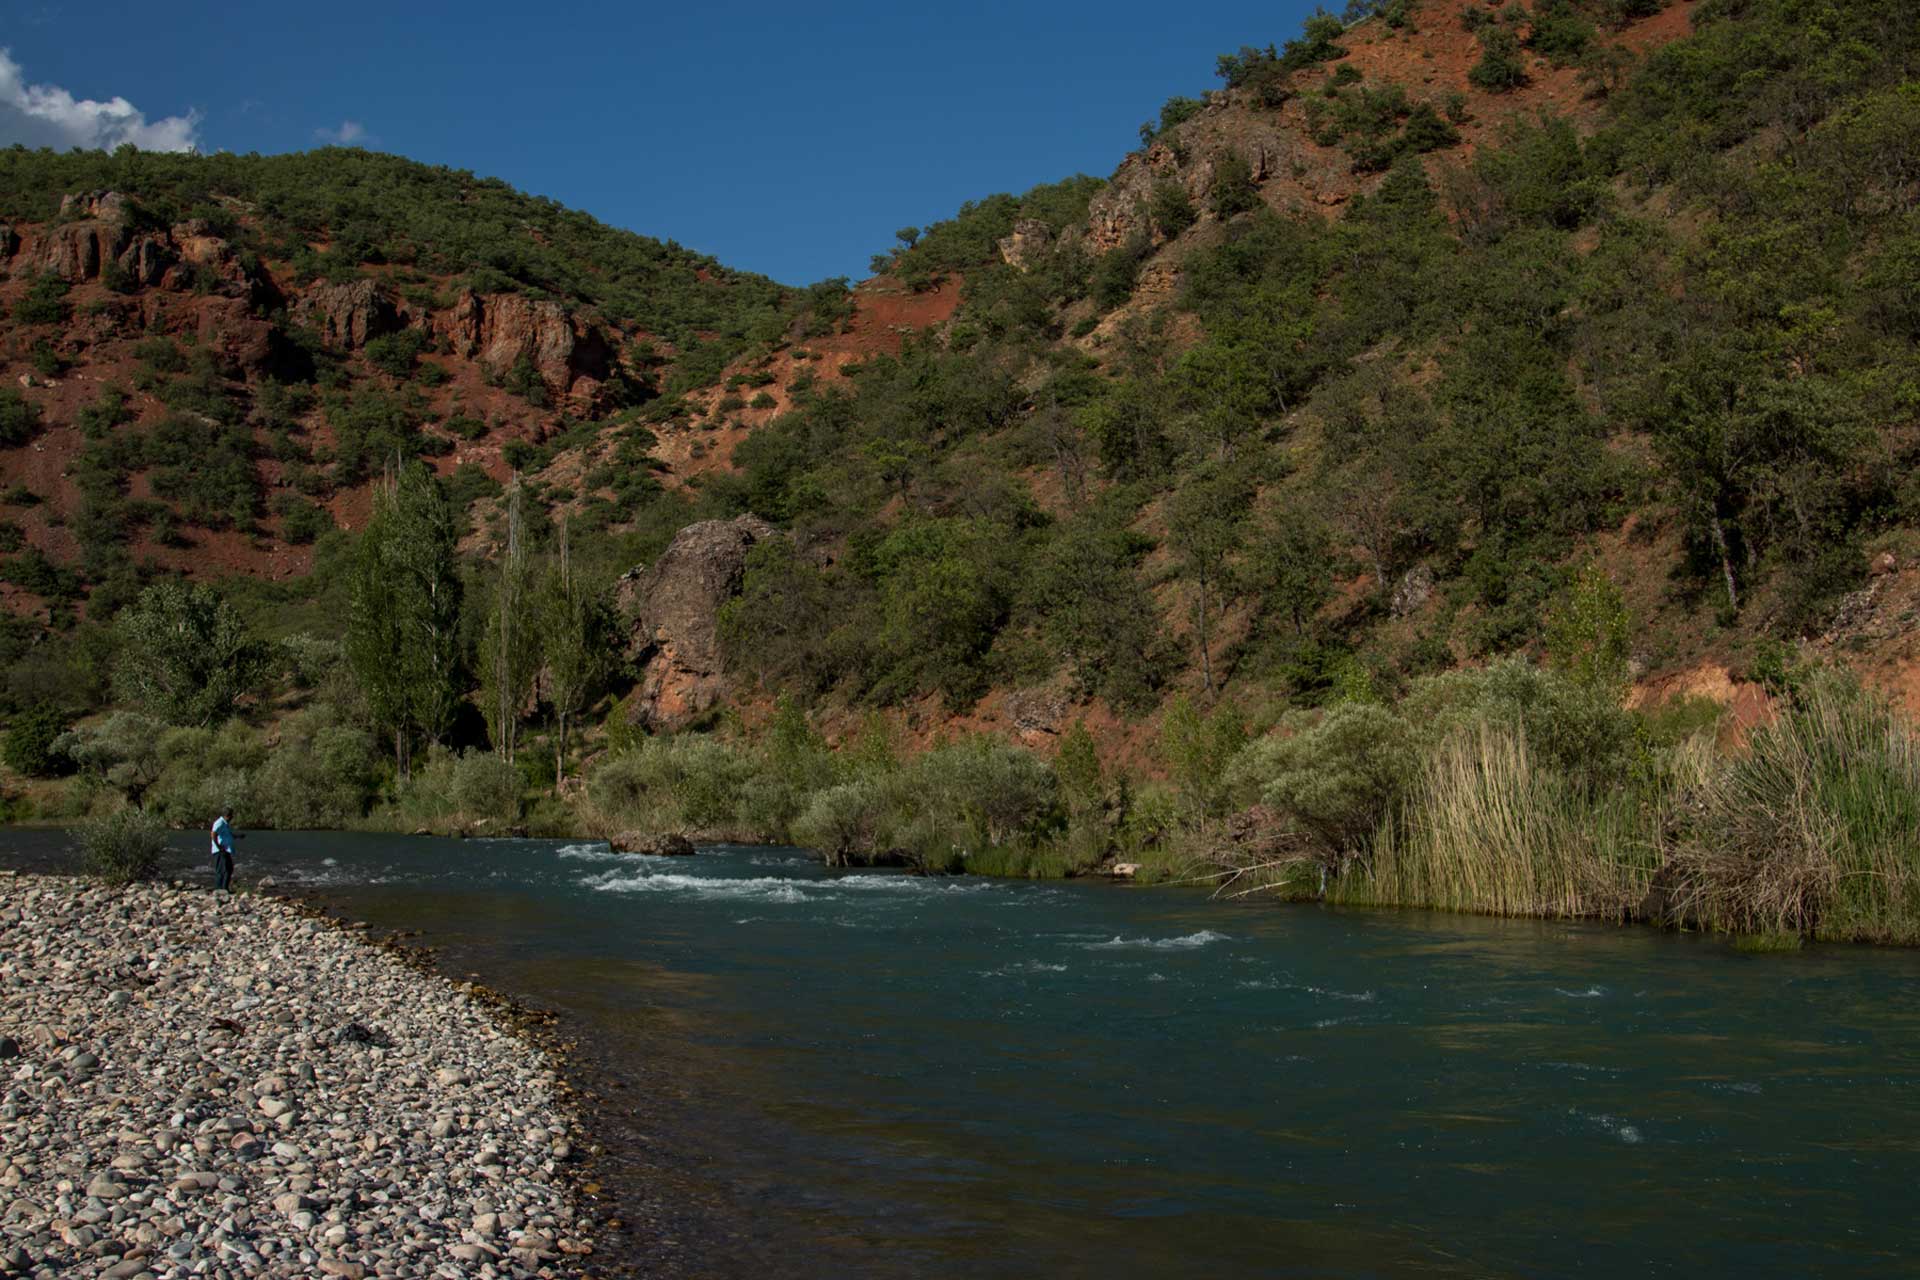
<point>205,1085</point>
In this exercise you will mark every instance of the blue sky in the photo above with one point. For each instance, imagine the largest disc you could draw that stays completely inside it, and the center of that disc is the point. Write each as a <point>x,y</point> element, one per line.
<point>785,138</point>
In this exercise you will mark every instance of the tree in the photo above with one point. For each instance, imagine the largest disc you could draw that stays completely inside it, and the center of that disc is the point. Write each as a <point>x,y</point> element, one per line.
<point>122,752</point>
<point>403,629</point>
<point>577,640</point>
<point>509,651</point>
<point>1203,528</point>
<point>184,656</point>
<point>1197,750</point>
<point>1170,207</point>
<point>28,747</point>
<point>1589,632</point>
<point>1293,564</point>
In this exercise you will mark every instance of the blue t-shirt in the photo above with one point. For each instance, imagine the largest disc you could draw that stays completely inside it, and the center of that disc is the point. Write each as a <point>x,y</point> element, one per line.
<point>222,835</point>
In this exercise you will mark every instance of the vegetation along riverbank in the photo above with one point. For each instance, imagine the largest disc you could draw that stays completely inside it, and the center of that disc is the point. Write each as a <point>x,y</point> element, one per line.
<point>1466,459</point>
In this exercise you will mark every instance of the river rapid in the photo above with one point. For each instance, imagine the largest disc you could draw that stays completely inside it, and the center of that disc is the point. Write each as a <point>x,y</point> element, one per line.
<point>808,1072</point>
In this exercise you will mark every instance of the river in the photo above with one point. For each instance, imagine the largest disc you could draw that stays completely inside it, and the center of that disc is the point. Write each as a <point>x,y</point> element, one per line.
<point>808,1072</point>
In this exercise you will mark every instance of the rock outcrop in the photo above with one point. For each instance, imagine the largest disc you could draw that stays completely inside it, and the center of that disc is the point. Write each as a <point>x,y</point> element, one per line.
<point>500,330</point>
<point>347,316</point>
<point>675,603</point>
<point>651,844</point>
<point>1031,238</point>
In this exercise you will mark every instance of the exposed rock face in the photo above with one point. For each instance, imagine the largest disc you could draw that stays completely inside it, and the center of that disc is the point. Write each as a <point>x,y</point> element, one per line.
<point>1031,238</point>
<point>675,603</point>
<point>347,315</point>
<point>92,233</point>
<point>501,329</point>
<point>1411,593</point>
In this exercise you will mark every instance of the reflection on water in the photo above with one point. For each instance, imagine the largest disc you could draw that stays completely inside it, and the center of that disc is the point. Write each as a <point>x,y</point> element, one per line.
<point>831,1073</point>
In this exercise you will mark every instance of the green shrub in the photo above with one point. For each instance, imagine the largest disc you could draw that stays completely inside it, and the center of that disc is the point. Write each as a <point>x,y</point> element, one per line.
<point>670,783</point>
<point>1170,207</point>
<point>456,786</point>
<point>19,418</point>
<point>123,847</point>
<point>44,302</point>
<point>1501,68</point>
<point>855,822</point>
<point>1335,780</point>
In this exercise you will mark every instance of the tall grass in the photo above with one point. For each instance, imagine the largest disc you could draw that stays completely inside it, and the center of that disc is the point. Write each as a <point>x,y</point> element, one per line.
<point>1814,830</point>
<point>1486,827</point>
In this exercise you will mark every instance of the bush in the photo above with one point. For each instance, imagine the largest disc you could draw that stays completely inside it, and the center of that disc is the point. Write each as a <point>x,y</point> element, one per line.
<point>462,787</point>
<point>1335,780</point>
<point>665,784</point>
<point>19,418</point>
<point>854,822</point>
<point>28,747</point>
<point>1501,69</point>
<point>322,775</point>
<point>123,847</point>
<point>44,302</point>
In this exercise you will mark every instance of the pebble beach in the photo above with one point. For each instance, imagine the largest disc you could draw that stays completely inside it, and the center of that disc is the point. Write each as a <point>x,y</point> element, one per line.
<point>199,1084</point>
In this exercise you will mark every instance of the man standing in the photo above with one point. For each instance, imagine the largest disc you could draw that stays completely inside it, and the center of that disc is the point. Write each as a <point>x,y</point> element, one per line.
<point>223,849</point>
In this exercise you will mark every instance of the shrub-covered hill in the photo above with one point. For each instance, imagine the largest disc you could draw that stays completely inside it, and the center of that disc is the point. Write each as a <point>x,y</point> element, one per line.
<point>207,357</point>
<point>1341,380</point>
<point>1342,376</point>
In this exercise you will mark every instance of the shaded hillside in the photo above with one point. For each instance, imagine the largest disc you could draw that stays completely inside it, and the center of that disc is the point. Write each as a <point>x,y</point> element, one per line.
<point>1335,382</point>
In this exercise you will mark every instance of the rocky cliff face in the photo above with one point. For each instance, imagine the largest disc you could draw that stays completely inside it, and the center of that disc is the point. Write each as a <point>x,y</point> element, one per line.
<point>675,603</point>
<point>500,330</point>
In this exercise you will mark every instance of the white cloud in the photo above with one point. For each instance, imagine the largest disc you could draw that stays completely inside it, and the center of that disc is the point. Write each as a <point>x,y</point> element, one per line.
<point>349,133</point>
<point>45,115</point>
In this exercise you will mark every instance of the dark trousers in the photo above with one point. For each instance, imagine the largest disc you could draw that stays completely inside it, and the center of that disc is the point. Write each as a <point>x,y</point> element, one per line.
<point>222,869</point>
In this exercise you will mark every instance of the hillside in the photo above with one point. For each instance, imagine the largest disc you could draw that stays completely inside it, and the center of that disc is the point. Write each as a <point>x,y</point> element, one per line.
<point>1336,382</point>
<point>217,352</point>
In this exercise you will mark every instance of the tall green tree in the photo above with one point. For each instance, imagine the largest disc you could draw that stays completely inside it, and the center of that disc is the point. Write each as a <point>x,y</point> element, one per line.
<point>403,630</point>
<point>577,640</point>
<point>510,647</point>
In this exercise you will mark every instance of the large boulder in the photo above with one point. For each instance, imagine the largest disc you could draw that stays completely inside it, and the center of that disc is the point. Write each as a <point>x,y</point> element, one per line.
<point>675,603</point>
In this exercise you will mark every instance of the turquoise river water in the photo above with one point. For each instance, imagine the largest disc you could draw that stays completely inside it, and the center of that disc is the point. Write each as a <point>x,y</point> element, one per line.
<point>809,1072</point>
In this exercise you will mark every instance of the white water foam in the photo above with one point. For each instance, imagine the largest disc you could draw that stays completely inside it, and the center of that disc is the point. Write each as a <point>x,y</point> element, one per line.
<point>777,889</point>
<point>594,853</point>
<point>1591,993</point>
<point>755,888</point>
<point>1184,943</point>
<point>1023,966</point>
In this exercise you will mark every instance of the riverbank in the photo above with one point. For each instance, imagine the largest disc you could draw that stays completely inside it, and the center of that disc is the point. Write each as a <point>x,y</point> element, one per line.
<point>200,1084</point>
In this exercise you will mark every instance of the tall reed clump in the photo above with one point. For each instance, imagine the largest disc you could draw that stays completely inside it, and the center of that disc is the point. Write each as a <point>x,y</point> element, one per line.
<point>1814,830</point>
<point>1488,827</point>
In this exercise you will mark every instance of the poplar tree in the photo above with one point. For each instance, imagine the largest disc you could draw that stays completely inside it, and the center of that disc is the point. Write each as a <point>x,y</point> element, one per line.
<point>576,640</point>
<point>403,631</point>
<point>510,649</point>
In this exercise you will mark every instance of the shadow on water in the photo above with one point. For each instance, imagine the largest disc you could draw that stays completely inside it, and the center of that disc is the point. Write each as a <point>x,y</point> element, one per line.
<point>809,1073</point>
